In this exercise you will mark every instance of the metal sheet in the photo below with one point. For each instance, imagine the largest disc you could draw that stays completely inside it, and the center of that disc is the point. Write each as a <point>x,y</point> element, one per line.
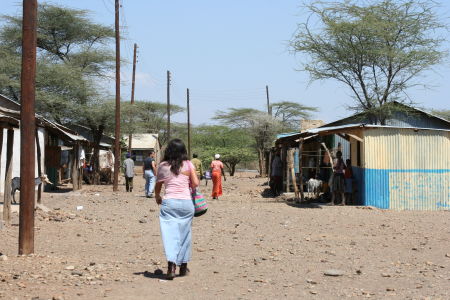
<point>407,169</point>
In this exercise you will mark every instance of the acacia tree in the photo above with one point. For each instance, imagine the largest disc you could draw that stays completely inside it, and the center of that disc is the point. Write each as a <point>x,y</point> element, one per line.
<point>233,144</point>
<point>150,117</point>
<point>290,113</point>
<point>443,113</point>
<point>259,125</point>
<point>73,60</point>
<point>376,48</point>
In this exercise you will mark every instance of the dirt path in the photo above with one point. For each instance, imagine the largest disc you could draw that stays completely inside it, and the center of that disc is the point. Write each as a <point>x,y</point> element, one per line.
<point>245,247</point>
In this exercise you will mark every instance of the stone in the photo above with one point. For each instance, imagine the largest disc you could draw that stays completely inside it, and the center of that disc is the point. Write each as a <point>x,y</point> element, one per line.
<point>334,272</point>
<point>311,281</point>
<point>70,268</point>
<point>77,273</point>
<point>143,220</point>
<point>385,275</point>
<point>3,257</point>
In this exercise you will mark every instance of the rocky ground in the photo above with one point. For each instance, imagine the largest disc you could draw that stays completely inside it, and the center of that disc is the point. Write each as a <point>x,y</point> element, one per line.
<point>245,247</point>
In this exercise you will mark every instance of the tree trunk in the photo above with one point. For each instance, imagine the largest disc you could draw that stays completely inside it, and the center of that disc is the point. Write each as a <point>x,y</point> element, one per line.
<point>233,169</point>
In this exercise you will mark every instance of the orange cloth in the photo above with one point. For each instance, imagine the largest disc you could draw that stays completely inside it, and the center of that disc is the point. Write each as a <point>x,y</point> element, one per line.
<point>217,184</point>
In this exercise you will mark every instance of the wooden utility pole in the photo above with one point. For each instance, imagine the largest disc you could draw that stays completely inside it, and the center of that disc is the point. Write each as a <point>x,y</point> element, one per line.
<point>133,80</point>
<point>188,124</point>
<point>27,127</point>
<point>117,131</point>
<point>269,110</point>
<point>168,106</point>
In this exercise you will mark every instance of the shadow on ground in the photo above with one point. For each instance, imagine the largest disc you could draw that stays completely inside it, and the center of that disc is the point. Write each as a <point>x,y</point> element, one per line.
<point>157,274</point>
<point>305,204</point>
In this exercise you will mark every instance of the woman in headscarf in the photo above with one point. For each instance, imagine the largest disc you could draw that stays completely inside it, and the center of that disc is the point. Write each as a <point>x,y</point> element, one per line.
<point>178,175</point>
<point>217,172</point>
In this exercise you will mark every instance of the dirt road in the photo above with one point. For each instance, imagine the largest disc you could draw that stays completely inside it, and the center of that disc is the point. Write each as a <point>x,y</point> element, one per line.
<point>245,247</point>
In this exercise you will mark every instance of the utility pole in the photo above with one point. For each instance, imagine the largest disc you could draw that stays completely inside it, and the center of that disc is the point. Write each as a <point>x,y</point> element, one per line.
<point>27,127</point>
<point>117,131</point>
<point>188,124</point>
<point>269,110</point>
<point>168,106</point>
<point>132,94</point>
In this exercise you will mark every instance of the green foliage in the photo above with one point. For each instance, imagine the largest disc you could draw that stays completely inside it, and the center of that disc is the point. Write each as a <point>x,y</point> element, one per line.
<point>234,145</point>
<point>443,113</point>
<point>257,124</point>
<point>376,48</point>
<point>150,117</point>
<point>73,55</point>
<point>290,113</point>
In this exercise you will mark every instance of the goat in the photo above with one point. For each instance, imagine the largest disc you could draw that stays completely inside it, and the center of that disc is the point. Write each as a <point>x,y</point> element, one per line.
<point>15,184</point>
<point>314,186</point>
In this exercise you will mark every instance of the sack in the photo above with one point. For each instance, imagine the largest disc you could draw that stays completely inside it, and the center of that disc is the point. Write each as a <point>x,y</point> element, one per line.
<point>200,204</point>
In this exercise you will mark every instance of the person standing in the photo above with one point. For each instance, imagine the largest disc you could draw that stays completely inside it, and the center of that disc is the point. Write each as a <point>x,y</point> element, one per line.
<point>150,170</point>
<point>277,174</point>
<point>198,166</point>
<point>178,175</point>
<point>348,175</point>
<point>217,172</point>
<point>338,184</point>
<point>128,169</point>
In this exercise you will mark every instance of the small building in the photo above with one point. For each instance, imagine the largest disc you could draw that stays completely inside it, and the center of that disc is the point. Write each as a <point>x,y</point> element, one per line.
<point>403,165</point>
<point>56,146</point>
<point>141,144</point>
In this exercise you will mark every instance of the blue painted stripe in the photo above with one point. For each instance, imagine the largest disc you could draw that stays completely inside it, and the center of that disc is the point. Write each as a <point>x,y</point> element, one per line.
<point>420,192</point>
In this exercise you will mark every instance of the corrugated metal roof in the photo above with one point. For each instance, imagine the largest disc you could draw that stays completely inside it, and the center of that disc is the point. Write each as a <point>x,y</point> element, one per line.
<point>334,128</point>
<point>287,134</point>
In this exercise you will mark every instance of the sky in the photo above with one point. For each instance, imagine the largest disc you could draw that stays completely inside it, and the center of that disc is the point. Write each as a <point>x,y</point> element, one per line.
<point>226,52</point>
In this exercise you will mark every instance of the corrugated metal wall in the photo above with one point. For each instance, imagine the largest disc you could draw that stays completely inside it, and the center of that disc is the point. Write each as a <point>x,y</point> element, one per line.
<point>407,169</point>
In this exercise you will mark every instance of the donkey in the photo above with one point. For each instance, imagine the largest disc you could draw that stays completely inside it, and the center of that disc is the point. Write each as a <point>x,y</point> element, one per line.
<point>15,184</point>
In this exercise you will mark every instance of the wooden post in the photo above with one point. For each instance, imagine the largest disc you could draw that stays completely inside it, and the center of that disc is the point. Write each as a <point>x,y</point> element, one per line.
<point>291,167</point>
<point>188,123</point>
<point>74,167</point>
<point>168,107</point>
<point>27,127</point>
<point>288,163</point>
<point>133,81</point>
<point>8,177</point>
<point>300,168</point>
<point>117,111</point>
<point>269,169</point>
<point>80,170</point>
<point>39,166</point>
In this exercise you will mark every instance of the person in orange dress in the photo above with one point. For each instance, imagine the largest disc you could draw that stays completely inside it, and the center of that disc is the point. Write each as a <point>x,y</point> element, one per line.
<point>217,172</point>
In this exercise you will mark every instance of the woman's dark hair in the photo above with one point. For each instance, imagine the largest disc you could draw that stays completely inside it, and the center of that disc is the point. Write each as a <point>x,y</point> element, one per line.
<point>175,154</point>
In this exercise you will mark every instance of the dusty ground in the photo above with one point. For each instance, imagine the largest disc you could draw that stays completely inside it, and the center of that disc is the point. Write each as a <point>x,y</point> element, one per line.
<point>245,247</point>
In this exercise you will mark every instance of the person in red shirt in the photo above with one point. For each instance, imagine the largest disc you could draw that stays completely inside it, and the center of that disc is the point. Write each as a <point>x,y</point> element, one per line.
<point>217,172</point>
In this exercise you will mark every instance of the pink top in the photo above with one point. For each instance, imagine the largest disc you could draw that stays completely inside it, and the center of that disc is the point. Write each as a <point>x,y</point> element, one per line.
<point>176,186</point>
<point>216,166</point>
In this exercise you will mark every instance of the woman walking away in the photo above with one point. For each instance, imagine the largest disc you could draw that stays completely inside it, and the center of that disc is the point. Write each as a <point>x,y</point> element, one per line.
<point>177,174</point>
<point>217,172</point>
<point>338,179</point>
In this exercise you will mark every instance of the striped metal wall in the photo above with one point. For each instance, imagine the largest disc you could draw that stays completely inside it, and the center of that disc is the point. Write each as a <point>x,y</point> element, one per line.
<point>406,169</point>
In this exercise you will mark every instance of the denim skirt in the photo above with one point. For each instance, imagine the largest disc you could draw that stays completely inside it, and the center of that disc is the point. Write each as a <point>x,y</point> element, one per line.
<point>175,219</point>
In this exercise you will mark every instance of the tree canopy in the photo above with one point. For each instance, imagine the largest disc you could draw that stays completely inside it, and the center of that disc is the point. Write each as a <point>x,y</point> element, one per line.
<point>73,54</point>
<point>376,48</point>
